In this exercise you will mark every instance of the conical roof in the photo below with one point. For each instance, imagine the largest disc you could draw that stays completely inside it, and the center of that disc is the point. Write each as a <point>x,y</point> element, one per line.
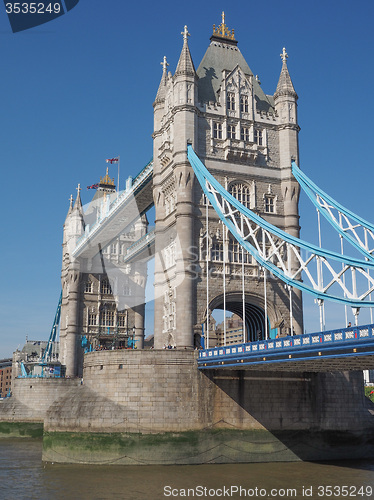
<point>161,92</point>
<point>185,64</point>
<point>285,85</point>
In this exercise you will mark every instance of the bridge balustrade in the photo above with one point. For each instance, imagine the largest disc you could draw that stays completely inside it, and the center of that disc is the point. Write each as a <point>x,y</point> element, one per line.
<point>310,344</point>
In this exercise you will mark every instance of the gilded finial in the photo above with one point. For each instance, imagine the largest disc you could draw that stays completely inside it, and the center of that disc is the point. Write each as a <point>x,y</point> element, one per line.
<point>284,55</point>
<point>222,31</point>
<point>107,180</point>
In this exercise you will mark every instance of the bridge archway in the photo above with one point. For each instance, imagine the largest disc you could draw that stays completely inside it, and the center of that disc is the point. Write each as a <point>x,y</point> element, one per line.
<point>254,313</point>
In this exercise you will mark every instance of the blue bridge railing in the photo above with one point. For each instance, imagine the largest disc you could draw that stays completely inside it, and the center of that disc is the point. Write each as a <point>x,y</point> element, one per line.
<point>269,350</point>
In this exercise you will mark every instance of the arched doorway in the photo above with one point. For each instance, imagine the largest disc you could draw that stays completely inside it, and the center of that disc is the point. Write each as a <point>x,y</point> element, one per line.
<point>254,315</point>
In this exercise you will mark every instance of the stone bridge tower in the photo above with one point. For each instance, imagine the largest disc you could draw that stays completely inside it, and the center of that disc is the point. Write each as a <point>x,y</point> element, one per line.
<point>247,140</point>
<point>103,298</point>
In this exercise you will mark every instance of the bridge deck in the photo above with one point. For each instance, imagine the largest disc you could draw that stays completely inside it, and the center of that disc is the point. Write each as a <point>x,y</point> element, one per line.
<point>335,350</point>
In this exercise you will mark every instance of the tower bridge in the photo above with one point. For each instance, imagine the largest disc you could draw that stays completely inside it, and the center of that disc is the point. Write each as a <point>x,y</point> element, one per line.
<point>225,184</point>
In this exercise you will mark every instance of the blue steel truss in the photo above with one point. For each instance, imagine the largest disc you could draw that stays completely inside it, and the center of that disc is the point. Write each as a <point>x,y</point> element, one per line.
<point>350,226</point>
<point>53,335</point>
<point>281,253</point>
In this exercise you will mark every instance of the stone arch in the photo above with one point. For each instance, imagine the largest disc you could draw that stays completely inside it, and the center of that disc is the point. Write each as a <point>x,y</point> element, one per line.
<point>254,312</point>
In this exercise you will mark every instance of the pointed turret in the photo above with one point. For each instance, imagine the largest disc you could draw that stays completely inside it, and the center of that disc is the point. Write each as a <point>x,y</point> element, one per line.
<point>285,97</point>
<point>74,223</point>
<point>78,201</point>
<point>71,199</point>
<point>285,85</point>
<point>161,92</point>
<point>185,64</point>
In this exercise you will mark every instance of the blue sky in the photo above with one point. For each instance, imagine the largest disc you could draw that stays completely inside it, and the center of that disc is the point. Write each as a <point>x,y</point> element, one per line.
<point>80,89</point>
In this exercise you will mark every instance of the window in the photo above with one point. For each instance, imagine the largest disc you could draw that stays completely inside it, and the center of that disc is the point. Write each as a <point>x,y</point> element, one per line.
<point>113,248</point>
<point>244,104</point>
<point>217,130</point>
<point>88,287</point>
<point>127,290</point>
<point>230,101</point>
<point>258,137</point>
<point>269,204</point>
<point>242,193</point>
<point>107,317</point>
<point>122,320</point>
<point>105,287</point>
<point>244,134</point>
<point>236,254</point>
<point>92,320</point>
<point>231,131</point>
<point>217,251</point>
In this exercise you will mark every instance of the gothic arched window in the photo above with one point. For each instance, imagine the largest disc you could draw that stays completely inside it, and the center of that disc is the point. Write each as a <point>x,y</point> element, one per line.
<point>242,193</point>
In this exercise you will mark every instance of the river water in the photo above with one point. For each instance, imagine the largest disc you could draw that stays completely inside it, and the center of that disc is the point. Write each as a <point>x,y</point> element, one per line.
<point>24,476</point>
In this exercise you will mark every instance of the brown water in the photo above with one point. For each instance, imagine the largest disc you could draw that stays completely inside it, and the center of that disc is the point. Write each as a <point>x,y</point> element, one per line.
<point>24,476</point>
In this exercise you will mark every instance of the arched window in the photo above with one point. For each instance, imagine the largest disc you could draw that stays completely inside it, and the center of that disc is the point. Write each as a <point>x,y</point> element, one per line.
<point>242,193</point>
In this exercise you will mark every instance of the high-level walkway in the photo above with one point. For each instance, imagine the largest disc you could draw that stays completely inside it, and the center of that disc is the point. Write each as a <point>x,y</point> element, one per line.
<point>123,211</point>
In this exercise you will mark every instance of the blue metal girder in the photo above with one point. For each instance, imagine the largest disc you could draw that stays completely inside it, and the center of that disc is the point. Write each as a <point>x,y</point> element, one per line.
<point>204,178</point>
<point>312,190</point>
<point>53,334</point>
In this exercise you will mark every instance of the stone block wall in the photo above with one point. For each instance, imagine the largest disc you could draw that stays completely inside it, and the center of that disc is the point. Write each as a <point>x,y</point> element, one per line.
<point>32,397</point>
<point>162,390</point>
<point>147,407</point>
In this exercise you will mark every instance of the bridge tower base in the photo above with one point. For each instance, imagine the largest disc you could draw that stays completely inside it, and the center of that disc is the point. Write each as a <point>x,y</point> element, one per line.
<point>164,411</point>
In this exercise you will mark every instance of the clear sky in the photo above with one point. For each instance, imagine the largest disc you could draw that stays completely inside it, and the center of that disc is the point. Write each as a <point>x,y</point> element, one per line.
<point>80,89</point>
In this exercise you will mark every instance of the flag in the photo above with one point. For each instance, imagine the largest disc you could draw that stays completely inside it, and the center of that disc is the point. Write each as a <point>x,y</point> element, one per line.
<point>94,186</point>
<point>112,160</point>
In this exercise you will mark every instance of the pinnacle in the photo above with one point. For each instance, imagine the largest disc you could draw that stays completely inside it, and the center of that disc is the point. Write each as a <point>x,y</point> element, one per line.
<point>285,85</point>
<point>185,64</point>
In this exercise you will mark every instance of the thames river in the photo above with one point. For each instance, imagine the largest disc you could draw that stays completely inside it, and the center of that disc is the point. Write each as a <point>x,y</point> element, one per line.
<point>24,476</point>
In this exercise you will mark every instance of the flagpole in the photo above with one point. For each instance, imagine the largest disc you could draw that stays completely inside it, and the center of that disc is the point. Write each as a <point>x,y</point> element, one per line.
<point>118,178</point>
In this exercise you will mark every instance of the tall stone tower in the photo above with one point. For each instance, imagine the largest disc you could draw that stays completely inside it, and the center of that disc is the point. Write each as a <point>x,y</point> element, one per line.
<point>103,297</point>
<point>247,140</point>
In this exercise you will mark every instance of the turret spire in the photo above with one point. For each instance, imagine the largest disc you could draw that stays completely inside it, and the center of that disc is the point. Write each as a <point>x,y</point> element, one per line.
<point>285,85</point>
<point>161,92</point>
<point>78,201</point>
<point>185,65</point>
